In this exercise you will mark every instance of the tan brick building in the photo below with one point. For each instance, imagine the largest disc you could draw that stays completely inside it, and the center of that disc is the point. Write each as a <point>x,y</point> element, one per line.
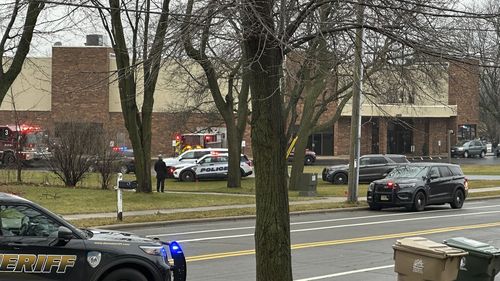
<point>78,83</point>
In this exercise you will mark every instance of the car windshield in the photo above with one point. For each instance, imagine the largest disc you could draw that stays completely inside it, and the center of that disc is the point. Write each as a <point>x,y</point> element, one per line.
<point>408,172</point>
<point>462,143</point>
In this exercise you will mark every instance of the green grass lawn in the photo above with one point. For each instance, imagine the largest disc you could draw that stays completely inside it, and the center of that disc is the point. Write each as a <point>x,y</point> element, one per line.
<point>46,189</point>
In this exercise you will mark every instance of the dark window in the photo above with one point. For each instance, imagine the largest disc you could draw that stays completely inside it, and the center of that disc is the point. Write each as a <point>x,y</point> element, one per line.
<point>445,172</point>
<point>378,160</point>
<point>21,220</point>
<point>188,155</point>
<point>456,170</point>
<point>434,172</point>
<point>466,131</point>
<point>199,154</point>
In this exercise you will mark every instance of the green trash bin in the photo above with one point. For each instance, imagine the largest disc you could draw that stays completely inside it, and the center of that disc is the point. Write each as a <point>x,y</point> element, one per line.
<point>308,184</point>
<point>482,263</point>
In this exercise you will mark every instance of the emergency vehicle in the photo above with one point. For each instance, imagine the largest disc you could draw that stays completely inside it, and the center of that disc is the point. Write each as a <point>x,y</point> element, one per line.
<point>36,244</point>
<point>22,142</point>
<point>185,142</point>
<point>211,166</point>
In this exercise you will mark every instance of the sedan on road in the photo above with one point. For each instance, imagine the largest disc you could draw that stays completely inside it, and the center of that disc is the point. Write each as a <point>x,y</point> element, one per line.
<point>419,184</point>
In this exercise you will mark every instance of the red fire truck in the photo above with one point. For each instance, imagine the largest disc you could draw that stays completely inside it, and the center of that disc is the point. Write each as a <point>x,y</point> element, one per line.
<point>184,142</point>
<point>23,142</point>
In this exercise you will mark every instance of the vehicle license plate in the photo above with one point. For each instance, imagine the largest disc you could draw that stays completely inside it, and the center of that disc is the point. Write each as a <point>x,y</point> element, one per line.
<point>384,198</point>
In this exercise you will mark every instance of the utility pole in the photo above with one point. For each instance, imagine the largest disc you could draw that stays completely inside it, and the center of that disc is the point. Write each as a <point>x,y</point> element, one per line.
<point>354,150</point>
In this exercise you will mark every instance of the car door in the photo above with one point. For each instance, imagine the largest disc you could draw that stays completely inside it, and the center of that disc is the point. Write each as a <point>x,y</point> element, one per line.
<point>447,185</point>
<point>437,186</point>
<point>205,167</point>
<point>30,248</point>
<point>372,168</point>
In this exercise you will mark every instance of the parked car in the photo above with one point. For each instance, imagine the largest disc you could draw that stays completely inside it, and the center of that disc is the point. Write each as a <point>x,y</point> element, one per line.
<point>371,167</point>
<point>309,158</point>
<point>417,185</point>
<point>468,148</point>
<point>189,157</point>
<point>211,166</point>
<point>120,161</point>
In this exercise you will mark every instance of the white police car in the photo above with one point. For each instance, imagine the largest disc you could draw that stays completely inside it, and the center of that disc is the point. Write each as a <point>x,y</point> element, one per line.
<point>211,166</point>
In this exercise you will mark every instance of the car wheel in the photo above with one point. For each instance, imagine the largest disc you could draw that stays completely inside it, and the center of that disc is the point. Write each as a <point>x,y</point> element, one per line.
<point>482,154</point>
<point>466,154</point>
<point>187,176</point>
<point>340,178</point>
<point>308,160</point>
<point>123,169</point>
<point>458,199</point>
<point>374,207</point>
<point>9,159</point>
<point>419,202</point>
<point>125,274</point>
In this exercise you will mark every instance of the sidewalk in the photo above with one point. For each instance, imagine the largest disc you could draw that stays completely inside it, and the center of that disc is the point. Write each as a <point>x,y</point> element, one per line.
<point>215,208</point>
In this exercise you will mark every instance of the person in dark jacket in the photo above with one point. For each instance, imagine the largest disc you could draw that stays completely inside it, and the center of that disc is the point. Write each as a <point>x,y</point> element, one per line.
<point>161,174</point>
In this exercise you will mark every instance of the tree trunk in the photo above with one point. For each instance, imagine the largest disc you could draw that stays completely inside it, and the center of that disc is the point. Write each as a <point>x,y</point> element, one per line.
<point>272,227</point>
<point>234,149</point>
<point>298,159</point>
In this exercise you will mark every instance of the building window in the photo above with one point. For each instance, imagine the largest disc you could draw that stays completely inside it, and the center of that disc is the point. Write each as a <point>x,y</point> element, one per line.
<point>466,132</point>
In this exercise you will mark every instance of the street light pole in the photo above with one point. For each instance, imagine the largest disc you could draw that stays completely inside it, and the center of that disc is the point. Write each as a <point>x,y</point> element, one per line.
<point>354,150</point>
<point>449,145</point>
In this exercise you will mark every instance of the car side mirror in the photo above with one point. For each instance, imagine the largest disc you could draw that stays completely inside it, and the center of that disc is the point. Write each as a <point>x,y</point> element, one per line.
<point>64,234</point>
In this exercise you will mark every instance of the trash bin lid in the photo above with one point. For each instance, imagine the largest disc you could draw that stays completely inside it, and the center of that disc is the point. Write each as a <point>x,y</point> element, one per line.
<point>472,246</point>
<point>426,247</point>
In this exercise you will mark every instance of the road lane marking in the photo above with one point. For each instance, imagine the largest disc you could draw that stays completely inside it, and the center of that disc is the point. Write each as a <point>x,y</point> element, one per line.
<point>346,273</point>
<point>347,241</point>
<point>318,221</point>
<point>342,226</point>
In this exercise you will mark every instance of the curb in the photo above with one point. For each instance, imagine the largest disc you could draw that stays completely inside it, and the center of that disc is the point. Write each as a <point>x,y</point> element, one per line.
<point>247,217</point>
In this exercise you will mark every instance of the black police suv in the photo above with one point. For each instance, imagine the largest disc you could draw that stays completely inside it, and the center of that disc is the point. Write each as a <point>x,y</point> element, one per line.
<point>36,244</point>
<point>419,184</point>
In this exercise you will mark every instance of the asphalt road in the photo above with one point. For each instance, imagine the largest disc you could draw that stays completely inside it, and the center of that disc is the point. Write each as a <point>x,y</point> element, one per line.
<point>354,246</point>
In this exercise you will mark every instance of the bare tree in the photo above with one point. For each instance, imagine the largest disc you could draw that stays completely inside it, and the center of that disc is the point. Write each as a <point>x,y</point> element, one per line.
<point>133,56</point>
<point>234,106</point>
<point>73,149</point>
<point>16,38</point>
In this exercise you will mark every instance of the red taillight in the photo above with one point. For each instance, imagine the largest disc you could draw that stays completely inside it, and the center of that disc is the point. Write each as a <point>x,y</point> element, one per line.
<point>390,185</point>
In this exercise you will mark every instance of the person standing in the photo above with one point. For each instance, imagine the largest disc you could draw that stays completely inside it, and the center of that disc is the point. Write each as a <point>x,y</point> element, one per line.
<point>161,174</point>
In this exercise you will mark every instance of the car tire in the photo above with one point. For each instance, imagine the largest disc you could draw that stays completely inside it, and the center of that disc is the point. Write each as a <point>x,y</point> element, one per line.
<point>125,274</point>
<point>242,173</point>
<point>374,207</point>
<point>339,178</point>
<point>458,199</point>
<point>419,202</point>
<point>187,176</point>
<point>466,154</point>
<point>308,160</point>
<point>8,159</point>
<point>482,154</point>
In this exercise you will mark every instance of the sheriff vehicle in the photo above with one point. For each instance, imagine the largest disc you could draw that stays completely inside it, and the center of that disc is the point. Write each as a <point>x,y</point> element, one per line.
<point>210,166</point>
<point>36,244</point>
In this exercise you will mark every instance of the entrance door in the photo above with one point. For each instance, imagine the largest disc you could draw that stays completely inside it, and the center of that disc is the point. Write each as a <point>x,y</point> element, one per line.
<point>399,136</point>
